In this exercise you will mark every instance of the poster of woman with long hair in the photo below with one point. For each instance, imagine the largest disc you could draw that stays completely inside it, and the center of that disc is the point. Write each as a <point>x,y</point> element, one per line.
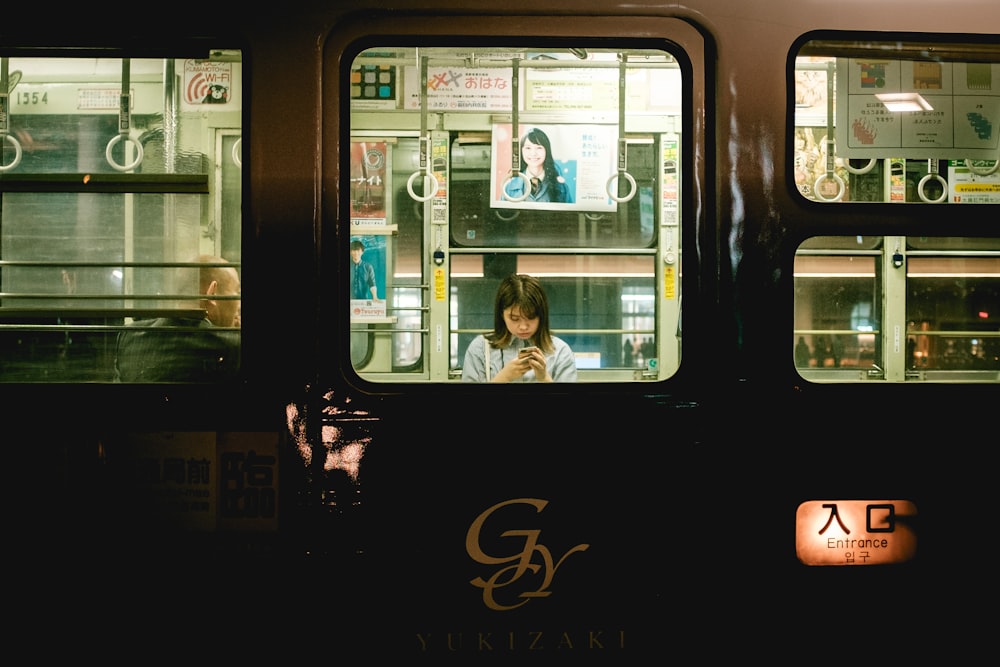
<point>558,167</point>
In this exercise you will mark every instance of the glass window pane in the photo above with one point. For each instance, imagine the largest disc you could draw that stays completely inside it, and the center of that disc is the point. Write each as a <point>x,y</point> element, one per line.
<point>457,181</point>
<point>119,223</point>
<point>953,312</point>
<point>892,121</point>
<point>837,306</point>
<point>920,309</point>
<point>596,304</point>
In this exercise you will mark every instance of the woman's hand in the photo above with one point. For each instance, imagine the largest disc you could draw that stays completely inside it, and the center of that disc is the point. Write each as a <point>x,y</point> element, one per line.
<point>526,360</point>
<point>514,369</point>
<point>536,361</point>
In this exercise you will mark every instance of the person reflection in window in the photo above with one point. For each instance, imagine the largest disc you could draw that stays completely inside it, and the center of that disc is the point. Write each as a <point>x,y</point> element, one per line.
<point>802,354</point>
<point>188,348</point>
<point>520,348</point>
<point>539,172</point>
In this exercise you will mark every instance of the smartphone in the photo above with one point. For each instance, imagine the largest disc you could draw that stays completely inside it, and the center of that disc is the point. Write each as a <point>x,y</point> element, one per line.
<point>526,351</point>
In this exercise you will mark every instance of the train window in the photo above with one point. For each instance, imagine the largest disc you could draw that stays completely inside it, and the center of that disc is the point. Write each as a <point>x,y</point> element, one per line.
<point>896,122</point>
<point>447,198</point>
<point>120,201</point>
<point>615,302</point>
<point>895,308</point>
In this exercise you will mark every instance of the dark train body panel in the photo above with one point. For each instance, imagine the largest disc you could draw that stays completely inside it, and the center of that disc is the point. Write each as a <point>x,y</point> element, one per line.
<point>355,511</point>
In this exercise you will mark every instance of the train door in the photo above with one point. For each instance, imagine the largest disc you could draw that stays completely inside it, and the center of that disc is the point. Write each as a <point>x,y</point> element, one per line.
<point>441,208</point>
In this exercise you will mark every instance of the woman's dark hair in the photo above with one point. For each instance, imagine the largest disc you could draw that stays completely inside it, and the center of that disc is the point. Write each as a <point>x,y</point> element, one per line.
<point>553,175</point>
<point>527,294</point>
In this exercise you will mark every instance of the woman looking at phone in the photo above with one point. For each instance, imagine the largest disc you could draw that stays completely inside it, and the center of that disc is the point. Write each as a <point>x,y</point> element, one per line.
<point>521,348</point>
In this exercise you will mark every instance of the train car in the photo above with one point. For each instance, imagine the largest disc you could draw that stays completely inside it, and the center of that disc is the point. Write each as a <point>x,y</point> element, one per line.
<point>265,344</point>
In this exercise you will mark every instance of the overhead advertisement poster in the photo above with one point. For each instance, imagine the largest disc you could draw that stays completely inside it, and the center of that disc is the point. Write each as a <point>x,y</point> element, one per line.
<point>974,181</point>
<point>369,167</point>
<point>956,116</point>
<point>560,167</point>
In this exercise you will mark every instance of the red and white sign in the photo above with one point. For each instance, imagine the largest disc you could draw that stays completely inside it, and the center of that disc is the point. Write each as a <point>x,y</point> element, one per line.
<point>207,82</point>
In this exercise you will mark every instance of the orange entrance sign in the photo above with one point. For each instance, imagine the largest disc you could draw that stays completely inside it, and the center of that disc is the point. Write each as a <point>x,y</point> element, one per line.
<point>855,532</point>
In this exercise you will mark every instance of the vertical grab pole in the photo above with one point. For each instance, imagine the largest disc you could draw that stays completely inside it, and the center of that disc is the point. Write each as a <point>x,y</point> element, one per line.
<point>622,172</point>
<point>515,129</point>
<point>124,123</point>
<point>5,137</point>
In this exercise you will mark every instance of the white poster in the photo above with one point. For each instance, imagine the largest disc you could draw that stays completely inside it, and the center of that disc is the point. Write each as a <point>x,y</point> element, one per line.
<point>555,167</point>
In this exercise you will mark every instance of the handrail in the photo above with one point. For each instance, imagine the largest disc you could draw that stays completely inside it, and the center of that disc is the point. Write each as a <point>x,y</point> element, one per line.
<point>116,296</point>
<point>515,141</point>
<point>111,264</point>
<point>622,173</point>
<point>124,124</point>
<point>5,118</point>
<point>424,171</point>
<point>62,313</point>
<point>831,172</point>
<point>107,183</point>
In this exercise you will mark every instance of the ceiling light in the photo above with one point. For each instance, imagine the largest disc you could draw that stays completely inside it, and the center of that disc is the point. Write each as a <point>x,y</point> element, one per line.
<point>904,102</point>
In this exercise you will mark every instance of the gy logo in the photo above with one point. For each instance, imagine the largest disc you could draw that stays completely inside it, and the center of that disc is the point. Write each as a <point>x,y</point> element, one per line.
<point>517,564</point>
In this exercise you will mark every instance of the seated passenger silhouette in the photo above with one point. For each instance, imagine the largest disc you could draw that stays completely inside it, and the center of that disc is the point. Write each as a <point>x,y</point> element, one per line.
<point>187,349</point>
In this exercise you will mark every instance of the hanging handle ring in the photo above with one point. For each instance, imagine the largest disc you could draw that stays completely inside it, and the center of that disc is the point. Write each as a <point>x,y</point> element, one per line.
<point>7,85</point>
<point>631,186</point>
<point>622,162</point>
<point>982,171</point>
<point>426,174</point>
<point>510,179</point>
<point>18,153</point>
<point>926,179</point>
<point>501,214</point>
<point>860,170</point>
<point>833,176</point>
<point>424,171</point>
<point>124,123</point>
<point>831,172</point>
<point>111,160</point>
<point>932,175</point>
<point>238,153</point>
<point>831,148</point>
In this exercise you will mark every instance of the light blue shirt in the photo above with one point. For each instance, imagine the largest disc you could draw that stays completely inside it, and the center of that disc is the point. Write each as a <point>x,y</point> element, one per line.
<point>561,363</point>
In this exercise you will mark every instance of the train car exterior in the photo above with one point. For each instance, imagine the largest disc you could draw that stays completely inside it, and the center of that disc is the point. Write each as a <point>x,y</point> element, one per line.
<point>742,190</point>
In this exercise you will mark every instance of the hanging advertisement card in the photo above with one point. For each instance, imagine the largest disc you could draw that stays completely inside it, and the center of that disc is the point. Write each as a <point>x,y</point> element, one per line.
<point>367,277</point>
<point>369,164</point>
<point>974,181</point>
<point>558,167</point>
<point>953,112</point>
